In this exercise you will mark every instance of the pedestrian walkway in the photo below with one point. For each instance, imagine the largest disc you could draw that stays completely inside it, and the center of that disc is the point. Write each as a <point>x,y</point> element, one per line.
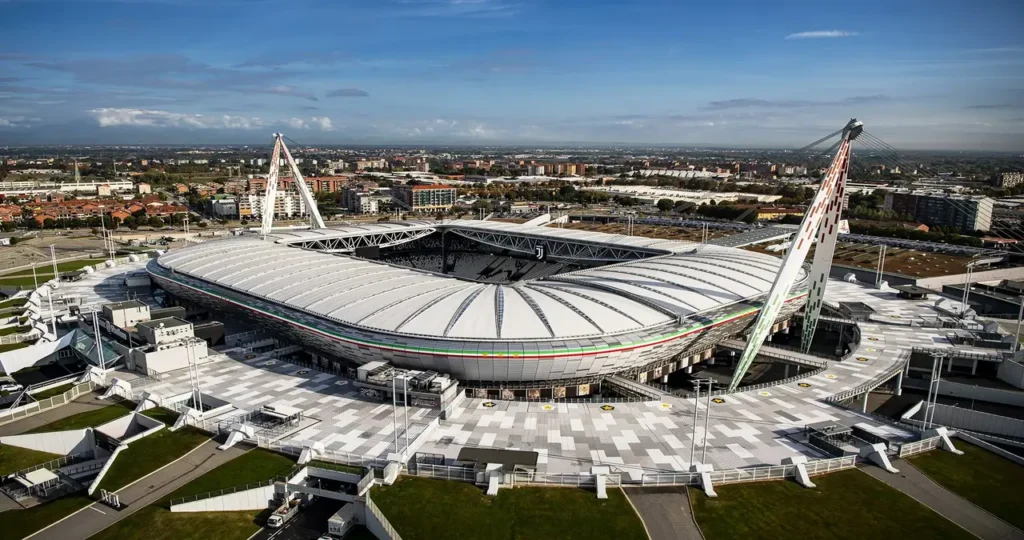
<point>85,402</point>
<point>96,517</point>
<point>665,512</point>
<point>914,483</point>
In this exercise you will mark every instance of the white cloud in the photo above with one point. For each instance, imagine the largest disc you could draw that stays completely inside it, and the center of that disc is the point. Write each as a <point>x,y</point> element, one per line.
<point>819,34</point>
<point>17,121</point>
<point>297,123</point>
<point>324,122</point>
<point>112,117</point>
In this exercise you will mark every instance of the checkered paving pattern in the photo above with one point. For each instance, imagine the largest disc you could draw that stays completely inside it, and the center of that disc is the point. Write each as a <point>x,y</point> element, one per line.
<point>746,429</point>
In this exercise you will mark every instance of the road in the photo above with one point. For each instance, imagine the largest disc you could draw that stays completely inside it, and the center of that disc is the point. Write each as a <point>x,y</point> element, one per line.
<point>97,516</point>
<point>309,524</point>
<point>665,512</point>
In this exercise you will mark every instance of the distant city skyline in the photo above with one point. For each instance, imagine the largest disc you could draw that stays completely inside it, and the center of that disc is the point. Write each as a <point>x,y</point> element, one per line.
<point>921,75</point>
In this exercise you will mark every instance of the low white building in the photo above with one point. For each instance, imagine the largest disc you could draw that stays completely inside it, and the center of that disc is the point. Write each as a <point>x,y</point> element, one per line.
<point>126,314</point>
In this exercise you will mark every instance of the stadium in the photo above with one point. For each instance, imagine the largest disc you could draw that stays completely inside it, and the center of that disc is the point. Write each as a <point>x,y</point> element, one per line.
<point>490,303</point>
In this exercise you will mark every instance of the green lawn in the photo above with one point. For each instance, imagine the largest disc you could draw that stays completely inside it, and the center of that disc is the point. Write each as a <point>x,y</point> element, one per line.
<point>156,522</point>
<point>14,346</point>
<point>250,467</point>
<point>166,416</point>
<point>337,467</point>
<point>55,391</point>
<point>47,269</point>
<point>18,524</point>
<point>149,454</point>
<point>987,480</point>
<point>86,419</point>
<point>13,302</point>
<point>13,458</point>
<point>14,330</point>
<point>425,509</point>
<point>845,505</point>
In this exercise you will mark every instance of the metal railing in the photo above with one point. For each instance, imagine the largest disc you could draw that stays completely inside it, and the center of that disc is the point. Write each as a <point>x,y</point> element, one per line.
<point>62,461</point>
<point>569,479</point>
<point>225,491</point>
<point>916,447</point>
<point>824,466</point>
<point>753,474</point>
<point>25,411</point>
<point>384,523</point>
<point>446,472</point>
<point>670,479</point>
<point>875,381</point>
<point>750,474</point>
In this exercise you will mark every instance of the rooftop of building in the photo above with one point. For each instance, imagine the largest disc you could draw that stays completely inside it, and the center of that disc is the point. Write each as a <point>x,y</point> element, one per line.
<point>168,322</point>
<point>127,304</point>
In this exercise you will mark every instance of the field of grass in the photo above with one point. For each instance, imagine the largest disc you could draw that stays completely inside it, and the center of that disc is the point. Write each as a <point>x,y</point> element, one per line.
<point>156,522</point>
<point>166,416</point>
<point>13,458</point>
<point>86,419</point>
<point>46,269</point>
<point>149,454</point>
<point>14,346</point>
<point>987,480</point>
<point>338,467</point>
<point>13,302</point>
<point>250,467</point>
<point>18,524</point>
<point>425,509</point>
<point>845,505</point>
<point>14,330</point>
<point>50,392</point>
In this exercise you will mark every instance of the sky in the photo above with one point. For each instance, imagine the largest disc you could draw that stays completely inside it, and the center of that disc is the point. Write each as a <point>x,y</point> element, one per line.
<point>934,74</point>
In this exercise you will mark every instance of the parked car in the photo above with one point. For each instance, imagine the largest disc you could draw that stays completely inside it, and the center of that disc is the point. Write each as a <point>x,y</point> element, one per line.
<point>11,387</point>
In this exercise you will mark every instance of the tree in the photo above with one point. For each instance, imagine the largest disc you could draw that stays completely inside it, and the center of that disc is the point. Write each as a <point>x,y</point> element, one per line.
<point>156,222</point>
<point>665,205</point>
<point>131,222</point>
<point>245,222</point>
<point>9,226</point>
<point>202,224</point>
<point>49,223</point>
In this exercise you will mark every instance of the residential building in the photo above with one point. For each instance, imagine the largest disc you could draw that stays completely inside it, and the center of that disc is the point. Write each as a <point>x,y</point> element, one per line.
<point>223,206</point>
<point>1009,179</point>
<point>144,188</point>
<point>425,197</point>
<point>966,213</point>
<point>287,204</point>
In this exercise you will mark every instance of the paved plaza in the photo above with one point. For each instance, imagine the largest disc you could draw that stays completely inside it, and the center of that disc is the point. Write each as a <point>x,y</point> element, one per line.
<point>746,429</point>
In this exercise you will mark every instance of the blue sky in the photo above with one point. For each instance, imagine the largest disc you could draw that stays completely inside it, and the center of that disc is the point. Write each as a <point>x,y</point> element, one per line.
<point>920,74</point>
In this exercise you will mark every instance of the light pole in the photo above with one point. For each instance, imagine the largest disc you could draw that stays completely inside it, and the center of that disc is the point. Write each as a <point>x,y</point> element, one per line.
<point>967,289</point>
<point>707,417</point>
<point>405,402</point>
<point>394,408</point>
<point>1020,316</point>
<point>933,389</point>
<point>696,401</point>
<point>53,260</point>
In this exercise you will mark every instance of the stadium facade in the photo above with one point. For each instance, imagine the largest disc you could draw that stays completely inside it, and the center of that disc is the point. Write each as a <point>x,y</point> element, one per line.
<point>596,304</point>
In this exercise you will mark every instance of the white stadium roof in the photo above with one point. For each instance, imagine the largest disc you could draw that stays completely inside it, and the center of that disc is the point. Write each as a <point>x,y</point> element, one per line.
<point>688,279</point>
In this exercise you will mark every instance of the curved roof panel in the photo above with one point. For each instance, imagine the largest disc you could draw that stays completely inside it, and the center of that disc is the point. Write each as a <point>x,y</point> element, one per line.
<point>686,280</point>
